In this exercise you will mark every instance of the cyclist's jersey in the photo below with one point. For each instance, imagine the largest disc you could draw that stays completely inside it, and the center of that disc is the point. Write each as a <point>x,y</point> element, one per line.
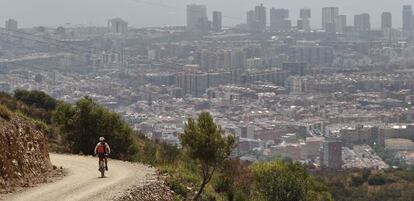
<point>102,148</point>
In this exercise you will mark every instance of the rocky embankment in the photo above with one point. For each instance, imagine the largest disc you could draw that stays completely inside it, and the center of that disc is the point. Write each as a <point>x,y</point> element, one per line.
<point>24,157</point>
<point>155,191</point>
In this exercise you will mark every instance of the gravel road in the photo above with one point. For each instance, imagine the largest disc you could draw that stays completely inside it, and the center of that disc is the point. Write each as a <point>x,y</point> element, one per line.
<point>83,181</point>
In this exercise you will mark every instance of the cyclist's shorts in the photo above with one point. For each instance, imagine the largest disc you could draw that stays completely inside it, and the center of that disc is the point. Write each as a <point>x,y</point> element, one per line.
<point>101,155</point>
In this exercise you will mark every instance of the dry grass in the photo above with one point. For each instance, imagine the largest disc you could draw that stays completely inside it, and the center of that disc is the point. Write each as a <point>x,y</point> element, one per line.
<point>5,113</point>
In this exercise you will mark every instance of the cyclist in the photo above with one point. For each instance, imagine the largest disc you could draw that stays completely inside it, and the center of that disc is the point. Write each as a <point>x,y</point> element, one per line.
<point>102,149</point>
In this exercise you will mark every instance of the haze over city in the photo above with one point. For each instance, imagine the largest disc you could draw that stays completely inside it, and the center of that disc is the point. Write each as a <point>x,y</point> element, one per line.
<point>147,13</point>
<point>206,100</point>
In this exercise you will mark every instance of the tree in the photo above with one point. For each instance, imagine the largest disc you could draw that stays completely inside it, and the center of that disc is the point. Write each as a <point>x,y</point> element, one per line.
<point>86,121</point>
<point>279,181</point>
<point>36,98</point>
<point>203,141</point>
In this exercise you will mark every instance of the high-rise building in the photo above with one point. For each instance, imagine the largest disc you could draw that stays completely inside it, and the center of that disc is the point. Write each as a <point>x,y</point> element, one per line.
<point>197,19</point>
<point>386,25</point>
<point>386,20</point>
<point>251,20</point>
<point>260,13</point>
<point>329,18</point>
<point>341,24</point>
<point>217,21</point>
<point>362,22</point>
<point>331,154</point>
<point>118,25</point>
<point>11,24</point>
<point>408,21</point>
<point>305,13</point>
<point>278,21</point>
<point>238,59</point>
<point>304,22</point>
<point>256,19</point>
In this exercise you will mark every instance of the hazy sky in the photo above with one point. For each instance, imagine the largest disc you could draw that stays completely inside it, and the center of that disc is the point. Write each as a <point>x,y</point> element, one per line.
<point>143,13</point>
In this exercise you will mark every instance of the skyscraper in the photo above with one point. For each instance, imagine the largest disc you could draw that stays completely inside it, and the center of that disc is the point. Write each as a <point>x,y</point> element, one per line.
<point>331,154</point>
<point>251,20</point>
<point>386,20</point>
<point>362,22</point>
<point>11,24</point>
<point>386,25</point>
<point>341,24</point>
<point>260,13</point>
<point>278,21</point>
<point>305,15</point>
<point>329,18</point>
<point>408,21</point>
<point>117,25</point>
<point>196,17</point>
<point>256,19</point>
<point>217,21</point>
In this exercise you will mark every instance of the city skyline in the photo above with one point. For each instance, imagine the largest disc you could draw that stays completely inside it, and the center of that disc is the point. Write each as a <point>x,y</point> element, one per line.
<point>136,12</point>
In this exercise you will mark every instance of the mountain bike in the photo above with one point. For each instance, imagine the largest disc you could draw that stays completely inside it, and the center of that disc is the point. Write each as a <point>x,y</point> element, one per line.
<point>102,167</point>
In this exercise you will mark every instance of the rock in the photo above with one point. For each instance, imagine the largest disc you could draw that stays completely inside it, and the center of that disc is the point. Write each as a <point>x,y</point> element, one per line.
<point>23,154</point>
<point>154,191</point>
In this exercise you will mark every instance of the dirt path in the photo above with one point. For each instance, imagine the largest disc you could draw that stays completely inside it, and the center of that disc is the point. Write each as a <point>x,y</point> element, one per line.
<point>83,183</point>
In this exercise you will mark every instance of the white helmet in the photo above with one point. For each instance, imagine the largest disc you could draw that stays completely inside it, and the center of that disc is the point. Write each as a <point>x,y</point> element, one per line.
<point>101,139</point>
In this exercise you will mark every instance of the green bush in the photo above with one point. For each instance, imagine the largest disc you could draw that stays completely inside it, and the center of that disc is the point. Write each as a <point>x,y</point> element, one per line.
<point>376,180</point>
<point>177,187</point>
<point>36,98</point>
<point>220,185</point>
<point>188,173</point>
<point>279,181</point>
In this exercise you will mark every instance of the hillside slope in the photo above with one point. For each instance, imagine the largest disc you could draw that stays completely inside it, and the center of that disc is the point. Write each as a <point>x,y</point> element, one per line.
<point>24,157</point>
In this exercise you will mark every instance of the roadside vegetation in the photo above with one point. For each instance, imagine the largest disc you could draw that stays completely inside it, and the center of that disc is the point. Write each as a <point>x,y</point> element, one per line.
<point>201,170</point>
<point>370,185</point>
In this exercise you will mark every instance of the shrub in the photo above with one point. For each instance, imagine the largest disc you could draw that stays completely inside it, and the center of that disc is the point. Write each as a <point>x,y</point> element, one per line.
<point>357,181</point>
<point>240,196</point>
<point>36,98</point>
<point>5,113</point>
<point>168,153</point>
<point>279,181</point>
<point>365,174</point>
<point>376,180</point>
<point>189,175</point>
<point>150,151</point>
<point>177,187</point>
<point>221,185</point>
<point>208,196</point>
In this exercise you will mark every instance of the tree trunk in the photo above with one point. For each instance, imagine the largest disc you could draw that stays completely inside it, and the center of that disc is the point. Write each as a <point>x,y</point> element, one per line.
<point>197,196</point>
